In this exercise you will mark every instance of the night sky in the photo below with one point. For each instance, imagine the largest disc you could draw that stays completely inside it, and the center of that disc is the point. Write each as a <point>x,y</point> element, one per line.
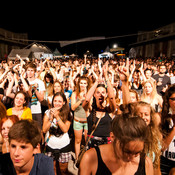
<point>56,21</point>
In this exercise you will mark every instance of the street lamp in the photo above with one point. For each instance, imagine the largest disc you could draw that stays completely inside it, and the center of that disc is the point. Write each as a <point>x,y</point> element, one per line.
<point>115,46</point>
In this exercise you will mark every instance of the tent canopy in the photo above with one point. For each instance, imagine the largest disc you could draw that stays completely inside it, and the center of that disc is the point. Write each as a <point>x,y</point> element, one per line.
<point>106,55</point>
<point>23,53</point>
<point>57,53</point>
<point>35,47</point>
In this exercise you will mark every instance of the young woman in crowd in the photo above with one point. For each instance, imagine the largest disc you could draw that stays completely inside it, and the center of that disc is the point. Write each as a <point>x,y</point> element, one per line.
<point>126,153</point>
<point>5,125</point>
<point>48,82</point>
<point>20,106</point>
<point>147,113</point>
<point>68,87</point>
<point>168,127</point>
<point>57,87</point>
<point>134,97</point>
<point>151,96</point>
<point>97,109</point>
<point>80,120</point>
<point>152,119</point>
<point>136,82</point>
<point>136,78</point>
<point>9,88</point>
<point>17,83</point>
<point>56,124</point>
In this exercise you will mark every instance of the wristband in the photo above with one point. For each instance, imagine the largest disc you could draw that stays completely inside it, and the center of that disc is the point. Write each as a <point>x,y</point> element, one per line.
<point>58,120</point>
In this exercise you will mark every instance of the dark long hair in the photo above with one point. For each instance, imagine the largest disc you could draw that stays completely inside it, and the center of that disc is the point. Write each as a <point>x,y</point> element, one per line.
<point>78,84</point>
<point>65,110</point>
<point>165,109</point>
<point>26,98</point>
<point>64,114</point>
<point>94,107</point>
<point>48,75</point>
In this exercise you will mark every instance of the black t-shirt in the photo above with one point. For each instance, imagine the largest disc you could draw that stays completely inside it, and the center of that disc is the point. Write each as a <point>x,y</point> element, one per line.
<point>165,80</point>
<point>43,165</point>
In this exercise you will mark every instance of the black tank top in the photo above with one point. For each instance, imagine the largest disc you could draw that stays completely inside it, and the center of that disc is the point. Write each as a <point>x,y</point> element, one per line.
<point>104,127</point>
<point>103,169</point>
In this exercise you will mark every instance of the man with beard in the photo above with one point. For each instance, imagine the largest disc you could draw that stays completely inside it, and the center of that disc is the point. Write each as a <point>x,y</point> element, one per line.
<point>162,80</point>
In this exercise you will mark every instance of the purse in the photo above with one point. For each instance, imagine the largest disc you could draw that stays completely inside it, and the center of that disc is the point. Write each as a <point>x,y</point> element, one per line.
<point>83,148</point>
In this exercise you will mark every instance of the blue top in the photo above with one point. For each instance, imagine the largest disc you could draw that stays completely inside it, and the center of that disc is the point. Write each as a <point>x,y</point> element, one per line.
<point>43,165</point>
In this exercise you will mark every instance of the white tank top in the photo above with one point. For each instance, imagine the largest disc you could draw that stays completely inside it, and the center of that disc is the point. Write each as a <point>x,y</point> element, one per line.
<point>56,142</point>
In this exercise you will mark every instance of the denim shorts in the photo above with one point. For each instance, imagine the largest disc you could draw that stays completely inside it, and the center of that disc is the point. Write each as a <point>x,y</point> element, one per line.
<point>79,126</point>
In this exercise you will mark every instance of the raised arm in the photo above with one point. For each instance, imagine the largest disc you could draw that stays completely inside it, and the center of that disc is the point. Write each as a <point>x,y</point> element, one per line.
<point>89,95</point>
<point>167,140</point>
<point>111,96</point>
<point>9,92</point>
<point>142,72</point>
<point>39,93</point>
<point>131,74</point>
<point>124,74</point>
<point>26,86</point>
<point>4,74</point>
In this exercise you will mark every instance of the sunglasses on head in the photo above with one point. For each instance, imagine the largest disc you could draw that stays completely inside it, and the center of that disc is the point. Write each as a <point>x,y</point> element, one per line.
<point>173,99</point>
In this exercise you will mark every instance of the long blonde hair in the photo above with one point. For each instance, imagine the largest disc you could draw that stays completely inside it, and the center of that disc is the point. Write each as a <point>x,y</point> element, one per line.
<point>156,136</point>
<point>153,93</point>
<point>154,148</point>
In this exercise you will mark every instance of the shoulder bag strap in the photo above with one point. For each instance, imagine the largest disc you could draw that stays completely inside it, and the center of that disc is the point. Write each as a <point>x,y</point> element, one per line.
<point>93,130</point>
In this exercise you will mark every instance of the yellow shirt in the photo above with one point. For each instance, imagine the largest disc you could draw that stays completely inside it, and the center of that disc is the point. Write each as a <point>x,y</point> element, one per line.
<point>27,114</point>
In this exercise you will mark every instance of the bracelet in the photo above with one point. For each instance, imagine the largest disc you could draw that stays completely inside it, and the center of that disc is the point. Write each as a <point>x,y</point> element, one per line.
<point>58,120</point>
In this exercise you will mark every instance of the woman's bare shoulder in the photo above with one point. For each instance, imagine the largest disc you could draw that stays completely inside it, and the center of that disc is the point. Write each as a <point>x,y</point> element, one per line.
<point>149,166</point>
<point>89,162</point>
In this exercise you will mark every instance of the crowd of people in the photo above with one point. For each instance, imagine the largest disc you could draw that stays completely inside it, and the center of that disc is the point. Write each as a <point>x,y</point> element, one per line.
<point>125,108</point>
